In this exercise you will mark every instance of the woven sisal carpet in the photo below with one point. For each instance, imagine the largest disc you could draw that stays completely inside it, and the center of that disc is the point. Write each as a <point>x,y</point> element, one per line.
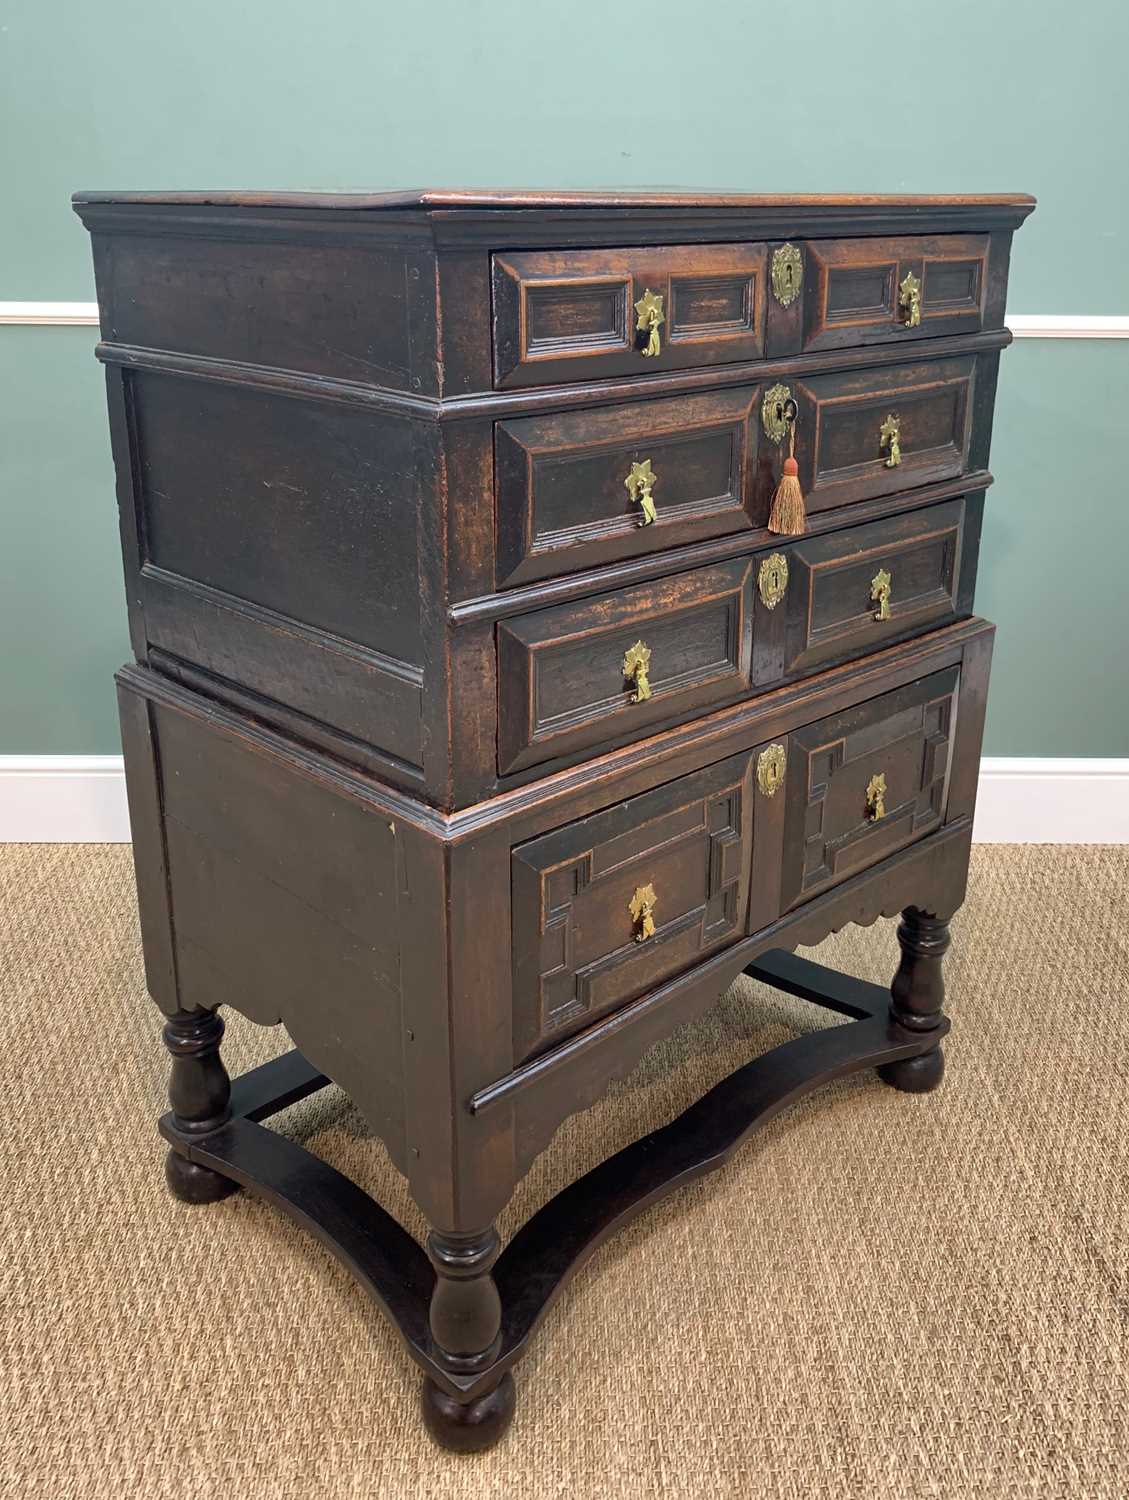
<point>882,1295</point>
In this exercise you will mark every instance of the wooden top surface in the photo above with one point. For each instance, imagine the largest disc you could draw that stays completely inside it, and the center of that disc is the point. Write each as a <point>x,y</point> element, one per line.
<point>532,198</point>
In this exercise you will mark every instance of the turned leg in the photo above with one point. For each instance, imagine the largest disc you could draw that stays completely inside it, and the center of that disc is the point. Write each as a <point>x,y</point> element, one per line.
<point>916,997</point>
<point>466,1319</point>
<point>200,1093</point>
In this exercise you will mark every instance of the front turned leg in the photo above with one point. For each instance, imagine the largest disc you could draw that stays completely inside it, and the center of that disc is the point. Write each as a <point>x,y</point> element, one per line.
<point>466,1320</point>
<point>200,1095</point>
<point>916,997</point>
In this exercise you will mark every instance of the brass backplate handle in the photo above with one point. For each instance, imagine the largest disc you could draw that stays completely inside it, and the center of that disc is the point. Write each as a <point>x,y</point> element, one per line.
<point>909,301</point>
<point>642,908</point>
<point>772,579</point>
<point>636,663</point>
<point>890,438</point>
<point>787,269</point>
<point>640,482</point>
<point>876,797</point>
<point>650,318</point>
<point>880,587</point>
<point>771,764</point>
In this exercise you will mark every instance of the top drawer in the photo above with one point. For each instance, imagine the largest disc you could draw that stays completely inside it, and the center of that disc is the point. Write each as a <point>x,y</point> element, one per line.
<point>577,314</point>
<point>872,291</point>
<point>598,314</point>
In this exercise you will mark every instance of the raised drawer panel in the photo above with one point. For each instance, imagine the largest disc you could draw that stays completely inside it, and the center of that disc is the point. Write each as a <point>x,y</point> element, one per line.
<point>864,291</point>
<point>571,315</point>
<point>835,824</point>
<point>831,607</point>
<point>563,498</point>
<point>843,445</point>
<point>579,948</point>
<point>562,684</point>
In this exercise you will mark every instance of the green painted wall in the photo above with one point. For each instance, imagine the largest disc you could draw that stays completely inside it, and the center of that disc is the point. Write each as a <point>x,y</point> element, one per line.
<point>975,95</point>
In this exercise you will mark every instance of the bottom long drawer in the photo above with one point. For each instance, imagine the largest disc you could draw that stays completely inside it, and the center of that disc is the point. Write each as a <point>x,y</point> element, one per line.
<point>618,902</point>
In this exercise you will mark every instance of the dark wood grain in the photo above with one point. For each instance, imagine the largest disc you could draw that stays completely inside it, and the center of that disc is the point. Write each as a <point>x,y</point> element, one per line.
<point>392,784</point>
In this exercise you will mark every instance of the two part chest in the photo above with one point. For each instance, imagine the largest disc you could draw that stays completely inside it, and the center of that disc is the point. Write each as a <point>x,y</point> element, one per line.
<point>475,505</point>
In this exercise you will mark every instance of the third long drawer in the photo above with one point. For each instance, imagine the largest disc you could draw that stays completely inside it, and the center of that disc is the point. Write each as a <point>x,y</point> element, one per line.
<point>569,676</point>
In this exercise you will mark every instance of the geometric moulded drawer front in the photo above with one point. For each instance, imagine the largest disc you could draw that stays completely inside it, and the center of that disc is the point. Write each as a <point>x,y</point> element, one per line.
<point>850,592</point>
<point>845,430</point>
<point>580,946</point>
<point>877,290</point>
<point>565,674</point>
<point>862,784</point>
<point>575,314</point>
<point>565,497</point>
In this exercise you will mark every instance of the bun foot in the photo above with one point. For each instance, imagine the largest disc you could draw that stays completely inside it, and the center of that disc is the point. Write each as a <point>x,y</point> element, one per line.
<point>471,1426</point>
<point>192,1183</point>
<point>915,1075</point>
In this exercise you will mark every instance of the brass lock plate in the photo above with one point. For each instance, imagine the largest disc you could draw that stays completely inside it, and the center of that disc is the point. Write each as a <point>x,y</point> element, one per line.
<point>787,269</point>
<point>771,764</point>
<point>773,412</point>
<point>772,580</point>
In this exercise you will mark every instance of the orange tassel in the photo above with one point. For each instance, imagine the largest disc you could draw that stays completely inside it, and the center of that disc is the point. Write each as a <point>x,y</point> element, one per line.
<point>787,516</point>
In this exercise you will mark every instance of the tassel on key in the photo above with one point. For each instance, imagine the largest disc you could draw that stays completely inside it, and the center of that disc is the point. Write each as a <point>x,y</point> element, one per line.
<point>787,516</point>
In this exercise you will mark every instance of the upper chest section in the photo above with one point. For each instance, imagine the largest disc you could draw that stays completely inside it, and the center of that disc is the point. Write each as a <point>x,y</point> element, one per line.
<point>436,298</point>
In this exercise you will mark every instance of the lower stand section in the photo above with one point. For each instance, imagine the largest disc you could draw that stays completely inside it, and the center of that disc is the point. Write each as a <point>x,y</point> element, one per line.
<point>464,1311</point>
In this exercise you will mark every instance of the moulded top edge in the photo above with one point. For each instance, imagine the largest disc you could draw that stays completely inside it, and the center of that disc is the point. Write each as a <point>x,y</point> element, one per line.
<point>535,198</point>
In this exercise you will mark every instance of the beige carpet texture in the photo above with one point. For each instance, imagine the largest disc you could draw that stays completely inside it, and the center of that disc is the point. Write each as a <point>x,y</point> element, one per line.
<point>881,1295</point>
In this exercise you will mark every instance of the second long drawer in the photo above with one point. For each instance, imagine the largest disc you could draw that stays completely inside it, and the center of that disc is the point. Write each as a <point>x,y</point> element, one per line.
<point>580,676</point>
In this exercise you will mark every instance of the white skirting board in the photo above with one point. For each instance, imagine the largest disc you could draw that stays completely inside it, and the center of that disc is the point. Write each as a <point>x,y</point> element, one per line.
<point>80,799</point>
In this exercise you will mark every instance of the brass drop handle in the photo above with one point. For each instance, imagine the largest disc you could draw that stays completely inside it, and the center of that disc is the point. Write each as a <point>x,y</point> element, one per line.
<point>909,301</point>
<point>636,661</point>
<point>640,482</point>
<point>649,311</point>
<point>876,797</point>
<point>642,909</point>
<point>890,438</point>
<point>880,586</point>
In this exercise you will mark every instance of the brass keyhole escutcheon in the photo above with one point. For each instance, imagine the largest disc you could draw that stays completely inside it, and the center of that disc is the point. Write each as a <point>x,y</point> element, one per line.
<point>642,909</point>
<point>778,409</point>
<point>771,764</point>
<point>772,580</point>
<point>880,586</point>
<point>636,661</point>
<point>909,301</point>
<point>890,438</point>
<point>640,482</point>
<point>649,315</point>
<point>787,268</point>
<point>876,797</point>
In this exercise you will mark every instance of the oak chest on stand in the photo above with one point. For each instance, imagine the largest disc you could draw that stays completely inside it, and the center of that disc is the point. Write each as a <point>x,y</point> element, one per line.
<point>495,704</point>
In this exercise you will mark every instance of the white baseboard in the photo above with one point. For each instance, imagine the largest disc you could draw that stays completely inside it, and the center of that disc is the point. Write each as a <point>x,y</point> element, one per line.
<point>80,799</point>
<point>1069,800</point>
<point>63,799</point>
